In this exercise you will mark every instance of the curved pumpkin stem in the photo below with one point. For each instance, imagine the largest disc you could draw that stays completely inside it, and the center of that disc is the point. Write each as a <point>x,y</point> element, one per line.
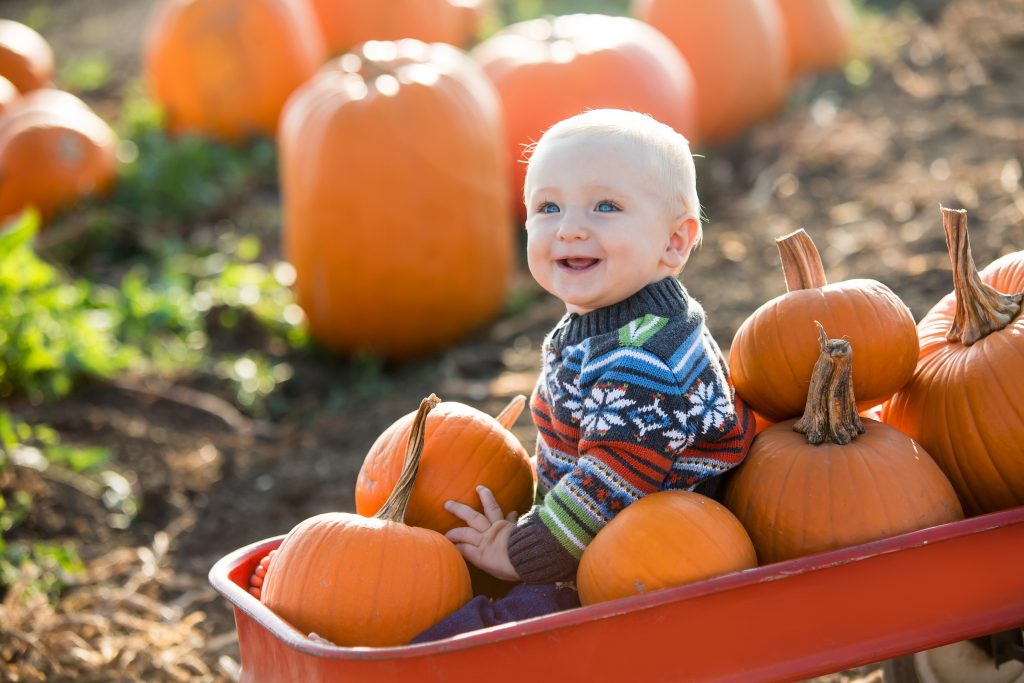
<point>510,413</point>
<point>831,410</point>
<point>801,262</point>
<point>980,308</point>
<point>394,507</point>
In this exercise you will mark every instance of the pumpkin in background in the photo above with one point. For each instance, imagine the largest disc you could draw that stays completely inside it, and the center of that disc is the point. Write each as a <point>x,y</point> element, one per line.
<point>360,581</point>
<point>224,68</point>
<point>8,94</point>
<point>737,51</point>
<point>772,353</point>
<point>831,479</point>
<point>346,23</point>
<point>817,34</point>
<point>549,69</point>
<point>26,59</point>
<point>464,447</point>
<point>396,206</point>
<point>666,539</point>
<point>53,150</point>
<point>964,403</point>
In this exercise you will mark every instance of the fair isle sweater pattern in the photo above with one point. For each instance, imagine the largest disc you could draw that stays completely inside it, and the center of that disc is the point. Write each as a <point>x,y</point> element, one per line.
<point>632,399</point>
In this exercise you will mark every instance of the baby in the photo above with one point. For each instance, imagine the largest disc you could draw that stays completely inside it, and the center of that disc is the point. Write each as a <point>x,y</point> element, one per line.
<point>634,396</point>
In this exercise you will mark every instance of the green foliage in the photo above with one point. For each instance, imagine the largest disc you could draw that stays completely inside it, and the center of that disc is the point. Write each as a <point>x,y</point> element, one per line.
<point>521,10</point>
<point>90,72</point>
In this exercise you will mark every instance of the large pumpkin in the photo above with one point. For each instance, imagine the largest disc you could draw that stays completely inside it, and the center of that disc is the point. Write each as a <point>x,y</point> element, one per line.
<point>817,33</point>
<point>773,350</point>
<point>368,581</point>
<point>831,479</point>
<point>224,68</point>
<point>669,538</point>
<point>549,69</point>
<point>53,150</point>
<point>737,51</point>
<point>26,59</point>
<point>965,403</point>
<point>346,23</point>
<point>396,206</point>
<point>464,448</point>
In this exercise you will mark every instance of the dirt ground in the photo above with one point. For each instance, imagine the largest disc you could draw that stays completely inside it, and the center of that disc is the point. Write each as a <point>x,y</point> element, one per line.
<point>863,169</point>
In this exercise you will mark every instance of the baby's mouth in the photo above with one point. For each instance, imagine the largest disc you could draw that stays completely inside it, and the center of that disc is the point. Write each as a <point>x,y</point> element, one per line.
<point>578,263</point>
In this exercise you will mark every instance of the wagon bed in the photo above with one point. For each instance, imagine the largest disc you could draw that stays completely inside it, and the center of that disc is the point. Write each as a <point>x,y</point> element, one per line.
<point>786,621</point>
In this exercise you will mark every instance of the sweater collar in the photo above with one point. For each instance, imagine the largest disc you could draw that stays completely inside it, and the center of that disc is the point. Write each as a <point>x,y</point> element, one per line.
<point>665,298</point>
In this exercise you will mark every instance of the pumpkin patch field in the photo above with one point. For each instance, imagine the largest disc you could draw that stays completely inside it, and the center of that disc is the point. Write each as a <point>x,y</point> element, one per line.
<point>240,240</point>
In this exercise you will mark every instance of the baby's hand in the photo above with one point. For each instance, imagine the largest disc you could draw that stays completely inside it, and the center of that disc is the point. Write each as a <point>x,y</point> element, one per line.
<point>484,539</point>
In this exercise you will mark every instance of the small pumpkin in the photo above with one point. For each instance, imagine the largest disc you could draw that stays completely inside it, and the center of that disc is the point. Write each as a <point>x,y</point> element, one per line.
<point>53,150</point>
<point>347,23</point>
<point>26,58</point>
<point>224,68</point>
<point>771,358</point>
<point>817,34</point>
<point>549,69</point>
<point>666,539</point>
<point>464,448</point>
<point>397,215</point>
<point>964,401</point>
<point>368,581</point>
<point>8,94</point>
<point>737,51</point>
<point>833,479</point>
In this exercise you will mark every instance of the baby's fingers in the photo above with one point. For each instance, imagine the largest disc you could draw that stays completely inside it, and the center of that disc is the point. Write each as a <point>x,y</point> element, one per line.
<point>464,535</point>
<point>467,514</point>
<point>491,507</point>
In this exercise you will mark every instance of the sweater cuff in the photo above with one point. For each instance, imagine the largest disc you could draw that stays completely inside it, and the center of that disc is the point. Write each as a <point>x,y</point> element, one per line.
<point>537,555</point>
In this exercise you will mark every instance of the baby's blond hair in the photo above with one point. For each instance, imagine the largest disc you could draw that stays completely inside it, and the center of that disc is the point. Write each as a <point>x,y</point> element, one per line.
<point>671,149</point>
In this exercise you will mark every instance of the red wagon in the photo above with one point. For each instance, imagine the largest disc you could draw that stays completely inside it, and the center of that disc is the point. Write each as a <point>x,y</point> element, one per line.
<point>781,622</point>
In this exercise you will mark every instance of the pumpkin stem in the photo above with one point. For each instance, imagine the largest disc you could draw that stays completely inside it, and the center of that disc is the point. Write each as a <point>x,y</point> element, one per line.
<point>394,507</point>
<point>831,410</point>
<point>980,308</point>
<point>508,416</point>
<point>801,262</point>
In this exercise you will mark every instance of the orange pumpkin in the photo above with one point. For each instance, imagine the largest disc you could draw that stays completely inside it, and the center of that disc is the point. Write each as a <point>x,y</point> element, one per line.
<point>737,51</point>
<point>26,59</point>
<point>771,356</point>
<point>831,479</point>
<point>964,401</point>
<point>464,448</point>
<point>817,33</point>
<point>8,94</point>
<point>360,581</point>
<point>224,68</point>
<point>346,23</point>
<point>396,206</point>
<point>549,69</point>
<point>53,150</point>
<point>666,539</point>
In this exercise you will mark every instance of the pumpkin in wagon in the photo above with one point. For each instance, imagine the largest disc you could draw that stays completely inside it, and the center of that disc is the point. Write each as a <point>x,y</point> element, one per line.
<point>964,402</point>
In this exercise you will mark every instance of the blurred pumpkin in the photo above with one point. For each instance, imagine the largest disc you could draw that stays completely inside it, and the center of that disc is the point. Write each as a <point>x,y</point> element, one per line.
<point>396,205</point>
<point>53,150</point>
<point>346,23</point>
<point>832,479</point>
<point>26,59</point>
<point>737,52</point>
<point>8,94</point>
<point>224,68</point>
<point>964,403</point>
<point>817,33</point>
<point>771,355</point>
<point>464,448</point>
<point>666,539</point>
<point>549,69</point>
<point>368,581</point>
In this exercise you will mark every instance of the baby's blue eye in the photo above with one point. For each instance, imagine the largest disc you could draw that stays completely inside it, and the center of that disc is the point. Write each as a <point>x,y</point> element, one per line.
<point>548,207</point>
<point>606,207</point>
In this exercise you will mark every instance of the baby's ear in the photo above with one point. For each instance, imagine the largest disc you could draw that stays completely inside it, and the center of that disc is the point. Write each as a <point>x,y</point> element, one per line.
<point>679,244</point>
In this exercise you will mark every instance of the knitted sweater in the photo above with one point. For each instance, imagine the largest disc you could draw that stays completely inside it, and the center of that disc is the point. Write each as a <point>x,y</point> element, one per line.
<point>633,398</point>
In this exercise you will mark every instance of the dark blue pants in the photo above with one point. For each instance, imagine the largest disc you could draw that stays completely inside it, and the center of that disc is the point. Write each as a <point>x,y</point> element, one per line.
<point>522,602</point>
